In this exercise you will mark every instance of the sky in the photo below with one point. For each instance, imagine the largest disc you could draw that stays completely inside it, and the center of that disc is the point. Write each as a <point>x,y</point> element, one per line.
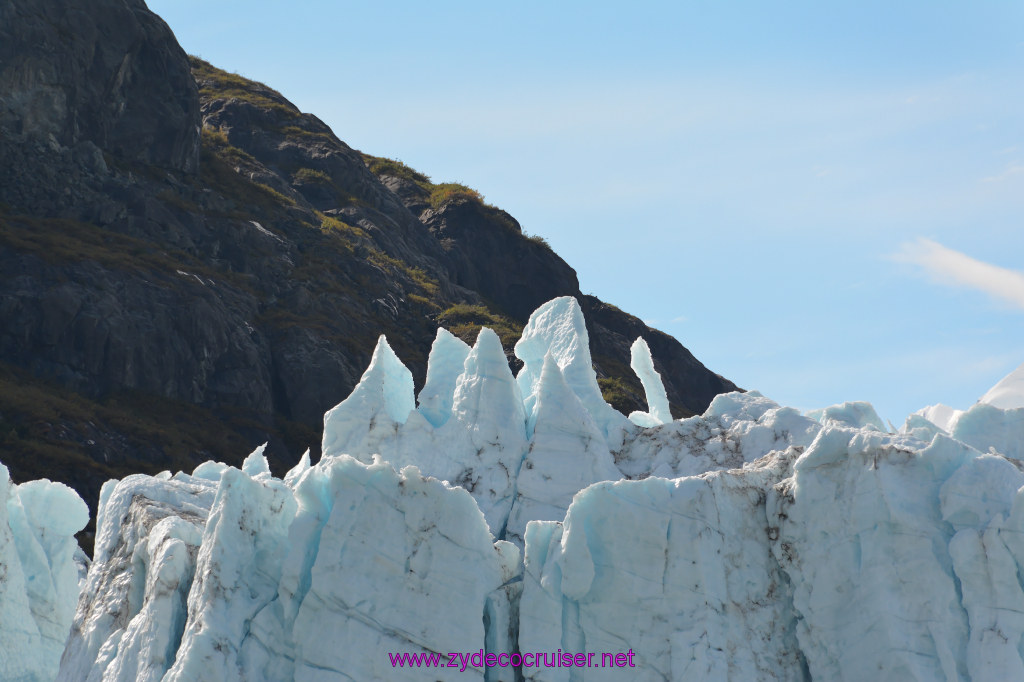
<point>822,201</point>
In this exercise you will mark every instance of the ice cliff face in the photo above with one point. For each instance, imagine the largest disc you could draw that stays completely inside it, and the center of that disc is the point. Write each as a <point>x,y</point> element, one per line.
<point>40,564</point>
<point>317,576</point>
<point>500,514</point>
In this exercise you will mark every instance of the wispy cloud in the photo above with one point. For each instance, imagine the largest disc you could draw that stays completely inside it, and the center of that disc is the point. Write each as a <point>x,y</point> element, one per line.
<point>1010,171</point>
<point>958,269</point>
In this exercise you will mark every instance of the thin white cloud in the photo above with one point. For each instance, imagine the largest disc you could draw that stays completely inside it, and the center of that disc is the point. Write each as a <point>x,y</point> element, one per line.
<point>1010,171</point>
<point>958,269</point>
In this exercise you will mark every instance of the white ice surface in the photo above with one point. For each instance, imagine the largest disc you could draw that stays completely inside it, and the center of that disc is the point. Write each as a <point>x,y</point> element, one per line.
<point>991,429</point>
<point>130,618</point>
<point>380,402</point>
<point>567,453</point>
<point>417,541</point>
<point>253,578</point>
<point>943,416</point>
<point>558,329</point>
<point>479,445</point>
<point>679,572</point>
<point>856,415</point>
<point>1008,393</point>
<point>39,574</point>
<point>866,556</point>
<point>444,366</point>
<point>735,429</point>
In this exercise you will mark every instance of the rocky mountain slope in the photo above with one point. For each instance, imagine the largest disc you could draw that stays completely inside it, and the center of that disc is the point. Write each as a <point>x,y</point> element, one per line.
<point>190,266</point>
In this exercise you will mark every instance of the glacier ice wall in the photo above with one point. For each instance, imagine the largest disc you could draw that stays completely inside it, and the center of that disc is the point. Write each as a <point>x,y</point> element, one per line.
<point>567,453</point>
<point>317,576</point>
<point>865,556</point>
<point>38,574</point>
<point>680,572</point>
<point>132,610</point>
<point>495,513</point>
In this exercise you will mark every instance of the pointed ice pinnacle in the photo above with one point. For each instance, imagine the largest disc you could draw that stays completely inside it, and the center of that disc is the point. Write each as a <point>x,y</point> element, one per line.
<point>488,408</point>
<point>657,400</point>
<point>486,395</point>
<point>567,453</point>
<point>444,365</point>
<point>383,398</point>
<point>256,463</point>
<point>558,328</point>
<point>296,472</point>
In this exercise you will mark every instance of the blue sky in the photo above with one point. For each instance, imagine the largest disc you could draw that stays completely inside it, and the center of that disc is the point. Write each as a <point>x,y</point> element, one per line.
<point>822,202</point>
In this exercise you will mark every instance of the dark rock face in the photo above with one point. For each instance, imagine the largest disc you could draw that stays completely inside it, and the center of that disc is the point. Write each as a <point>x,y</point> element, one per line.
<point>189,266</point>
<point>108,72</point>
<point>97,332</point>
<point>690,386</point>
<point>489,254</point>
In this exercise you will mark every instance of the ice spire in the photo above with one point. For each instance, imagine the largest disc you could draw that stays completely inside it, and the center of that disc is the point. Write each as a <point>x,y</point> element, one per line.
<point>488,408</point>
<point>256,463</point>
<point>567,453</point>
<point>296,472</point>
<point>657,400</point>
<point>445,364</point>
<point>382,399</point>
<point>558,328</point>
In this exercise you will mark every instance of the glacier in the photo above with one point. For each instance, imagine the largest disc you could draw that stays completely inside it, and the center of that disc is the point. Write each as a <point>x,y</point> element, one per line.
<point>495,515</point>
<point>40,566</point>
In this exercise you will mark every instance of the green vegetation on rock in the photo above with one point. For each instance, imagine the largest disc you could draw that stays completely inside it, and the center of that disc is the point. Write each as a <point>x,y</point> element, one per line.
<point>465,321</point>
<point>617,394</point>
<point>312,176</point>
<point>217,170</point>
<point>452,191</point>
<point>215,83</point>
<point>333,225</point>
<point>382,166</point>
<point>437,194</point>
<point>295,131</point>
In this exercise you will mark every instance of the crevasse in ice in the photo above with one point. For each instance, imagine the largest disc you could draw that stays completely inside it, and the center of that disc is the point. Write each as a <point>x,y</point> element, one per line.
<point>503,514</point>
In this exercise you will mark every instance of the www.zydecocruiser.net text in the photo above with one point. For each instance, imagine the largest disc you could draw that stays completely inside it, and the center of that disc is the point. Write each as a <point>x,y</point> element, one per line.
<point>529,659</point>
